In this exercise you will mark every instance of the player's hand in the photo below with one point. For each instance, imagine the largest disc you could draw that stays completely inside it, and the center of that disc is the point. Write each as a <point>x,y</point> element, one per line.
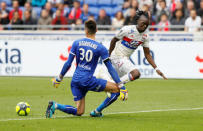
<point>56,82</point>
<point>161,74</point>
<point>123,94</point>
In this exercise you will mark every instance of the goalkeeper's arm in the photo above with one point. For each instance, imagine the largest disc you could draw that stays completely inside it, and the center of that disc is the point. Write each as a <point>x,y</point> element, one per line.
<point>66,67</point>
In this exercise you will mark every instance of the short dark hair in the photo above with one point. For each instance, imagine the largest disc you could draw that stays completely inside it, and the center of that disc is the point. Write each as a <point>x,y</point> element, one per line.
<point>91,26</point>
<point>139,13</point>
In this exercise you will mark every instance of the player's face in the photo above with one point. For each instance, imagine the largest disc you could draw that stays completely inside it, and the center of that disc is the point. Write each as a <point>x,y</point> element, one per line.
<point>142,24</point>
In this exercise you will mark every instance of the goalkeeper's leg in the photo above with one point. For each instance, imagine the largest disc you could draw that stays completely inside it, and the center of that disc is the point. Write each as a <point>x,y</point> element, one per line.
<point>108,101</point>
<point>66,108</point>
<point>72,110</point>
<point>111,97</point>
<point>115,92</point>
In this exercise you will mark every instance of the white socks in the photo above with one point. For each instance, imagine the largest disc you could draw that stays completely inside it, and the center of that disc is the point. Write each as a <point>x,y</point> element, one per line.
<point>126,78</point>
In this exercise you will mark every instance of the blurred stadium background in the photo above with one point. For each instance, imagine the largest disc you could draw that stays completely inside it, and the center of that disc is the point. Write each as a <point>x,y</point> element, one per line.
<point>166,15</point>
<point>50,26</point>
<point>36,37</point>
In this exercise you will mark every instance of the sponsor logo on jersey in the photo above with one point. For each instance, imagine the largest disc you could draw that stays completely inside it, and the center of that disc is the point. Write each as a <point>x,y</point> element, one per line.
<point>130,43</point>
<point>86,67</point>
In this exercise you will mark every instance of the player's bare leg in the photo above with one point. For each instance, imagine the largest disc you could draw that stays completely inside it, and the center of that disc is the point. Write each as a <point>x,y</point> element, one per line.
<point>80,106</point>
<point>131,76</point>
<point>112,87</point>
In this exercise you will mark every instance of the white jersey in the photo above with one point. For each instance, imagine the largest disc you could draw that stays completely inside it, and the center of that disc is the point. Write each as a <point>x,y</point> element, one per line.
<point>129,40</point>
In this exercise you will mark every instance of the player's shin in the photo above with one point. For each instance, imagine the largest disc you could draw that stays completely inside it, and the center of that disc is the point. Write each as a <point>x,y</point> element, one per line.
<point>67,109</point>
<point>128,77</point>
<point>108,101</point>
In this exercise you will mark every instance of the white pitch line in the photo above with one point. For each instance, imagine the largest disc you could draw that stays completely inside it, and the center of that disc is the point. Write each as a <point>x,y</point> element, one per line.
<point>160,110</point>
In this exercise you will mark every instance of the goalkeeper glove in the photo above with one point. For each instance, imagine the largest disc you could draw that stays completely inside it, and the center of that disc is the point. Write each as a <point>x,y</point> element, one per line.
<point>56,82</point>
<point>123,94</point>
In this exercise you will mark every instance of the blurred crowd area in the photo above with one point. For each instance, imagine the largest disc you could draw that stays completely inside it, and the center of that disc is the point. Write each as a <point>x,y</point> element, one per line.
<point>188,14</point>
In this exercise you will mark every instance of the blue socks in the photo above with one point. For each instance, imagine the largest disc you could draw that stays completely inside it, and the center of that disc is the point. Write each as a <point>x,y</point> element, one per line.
<point>72,110</point>
<point>67,109</point>
<point>108,101</point>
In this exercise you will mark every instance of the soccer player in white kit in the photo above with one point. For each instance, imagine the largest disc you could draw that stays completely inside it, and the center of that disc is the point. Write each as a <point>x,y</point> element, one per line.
<point>121,48</point>
<point>125,43</point>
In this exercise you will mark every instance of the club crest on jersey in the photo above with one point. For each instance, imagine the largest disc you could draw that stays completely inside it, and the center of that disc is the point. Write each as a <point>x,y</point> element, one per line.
<point>144,36</point>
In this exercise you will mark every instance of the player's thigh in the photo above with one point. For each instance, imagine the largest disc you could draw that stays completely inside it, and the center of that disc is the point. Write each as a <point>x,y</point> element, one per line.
<point>80,106</point>
<point>96,84</point>
<point>123,66</point>
<point>111,87</point>
<point>77,91</point>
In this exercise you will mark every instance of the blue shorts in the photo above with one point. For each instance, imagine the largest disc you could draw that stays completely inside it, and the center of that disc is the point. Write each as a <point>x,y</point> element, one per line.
<point>79,89</point>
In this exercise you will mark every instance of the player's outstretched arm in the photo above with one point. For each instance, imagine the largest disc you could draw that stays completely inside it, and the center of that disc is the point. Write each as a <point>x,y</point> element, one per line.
<point>112,45</point>
<point>56,81</point>
<point>151,61</point>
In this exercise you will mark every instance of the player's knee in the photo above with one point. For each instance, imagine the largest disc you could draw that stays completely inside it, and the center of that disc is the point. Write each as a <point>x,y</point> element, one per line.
<point>135,74</point>
<point>80,110</point>
<point>112,87</point>
<point>80,113</point>
<point>116,89</point>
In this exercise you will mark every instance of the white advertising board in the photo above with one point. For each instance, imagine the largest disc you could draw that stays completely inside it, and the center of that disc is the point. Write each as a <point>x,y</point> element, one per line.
<point>175,59</point>
<point>33,58</point>
<point>46,58</point>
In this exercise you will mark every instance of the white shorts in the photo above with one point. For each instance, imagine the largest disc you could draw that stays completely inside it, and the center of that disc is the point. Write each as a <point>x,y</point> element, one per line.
<point>122,65</point>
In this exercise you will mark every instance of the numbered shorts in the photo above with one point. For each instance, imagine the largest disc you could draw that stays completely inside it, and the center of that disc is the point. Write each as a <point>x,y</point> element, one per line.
<point>79,89</point>
<point>122,65</point>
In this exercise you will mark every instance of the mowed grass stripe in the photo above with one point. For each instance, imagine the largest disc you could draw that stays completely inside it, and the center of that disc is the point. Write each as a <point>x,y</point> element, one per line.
<point>146,111</point>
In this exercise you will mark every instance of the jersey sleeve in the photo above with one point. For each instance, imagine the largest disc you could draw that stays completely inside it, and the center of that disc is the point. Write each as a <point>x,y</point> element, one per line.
<point>73,48</point>
<point>104,53</point>
<point>146,41</point>
<point>122,32</point>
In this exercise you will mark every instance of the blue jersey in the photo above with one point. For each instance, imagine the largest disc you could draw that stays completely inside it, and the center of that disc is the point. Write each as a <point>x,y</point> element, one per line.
<point>87,52</point>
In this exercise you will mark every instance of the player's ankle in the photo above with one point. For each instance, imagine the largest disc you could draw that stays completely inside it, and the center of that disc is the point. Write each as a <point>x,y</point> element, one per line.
<point>96,111</point>
<point>56,106</point>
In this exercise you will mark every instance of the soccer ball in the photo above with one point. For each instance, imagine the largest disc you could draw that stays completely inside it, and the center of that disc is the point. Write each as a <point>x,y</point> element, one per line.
<point>23,109</point>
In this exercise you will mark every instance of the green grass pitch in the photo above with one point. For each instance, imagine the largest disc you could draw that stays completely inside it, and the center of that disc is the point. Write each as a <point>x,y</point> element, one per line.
<point>153,105</point>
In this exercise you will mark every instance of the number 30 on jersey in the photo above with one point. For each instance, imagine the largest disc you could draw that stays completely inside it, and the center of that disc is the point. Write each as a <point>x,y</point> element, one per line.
<point>87,55</point>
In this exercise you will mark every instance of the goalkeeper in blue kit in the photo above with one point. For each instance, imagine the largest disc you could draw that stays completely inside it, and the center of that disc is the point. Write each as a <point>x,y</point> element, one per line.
<point>87,52</point>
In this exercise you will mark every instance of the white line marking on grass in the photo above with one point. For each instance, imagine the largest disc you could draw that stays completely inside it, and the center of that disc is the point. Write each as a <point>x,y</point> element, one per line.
<point>160,110</point>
